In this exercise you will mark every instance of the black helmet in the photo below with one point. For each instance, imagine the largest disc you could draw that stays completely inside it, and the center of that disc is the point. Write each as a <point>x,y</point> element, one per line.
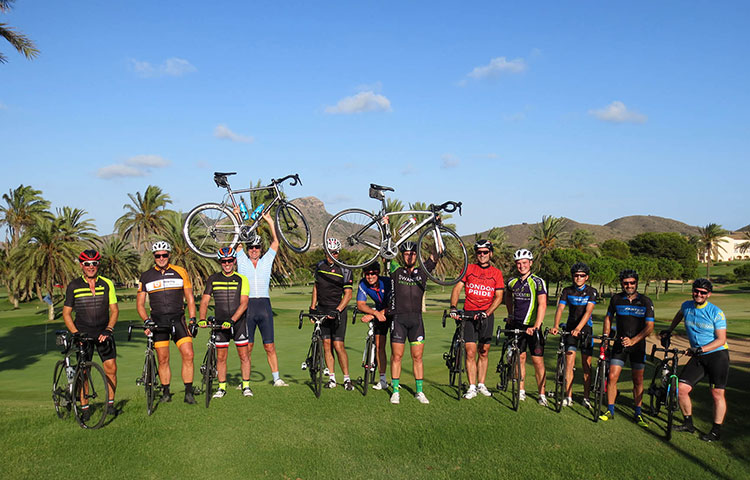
<point>628,273</point>
<point>579,267</point>
<point>408,247</point>
<point>483,244</point>
<point>372,267</point>
<point>703,283</point>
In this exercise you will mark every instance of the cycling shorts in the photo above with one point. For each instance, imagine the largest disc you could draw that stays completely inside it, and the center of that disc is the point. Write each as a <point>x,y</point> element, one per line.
<point>381,328</point>
<point>479,331</point>
<point>259,315</point>
<point>178,332</point>
<point>715,364</point>
<point>106,350</point>
<point>407,326</point>
<point>573,344</point>
<point>636,354</point>
<point>536,348</point>
<point>334,328</point>
<point>240,335</point>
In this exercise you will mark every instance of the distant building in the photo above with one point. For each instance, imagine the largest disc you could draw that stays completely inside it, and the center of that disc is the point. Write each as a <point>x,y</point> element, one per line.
<point>729,248</point>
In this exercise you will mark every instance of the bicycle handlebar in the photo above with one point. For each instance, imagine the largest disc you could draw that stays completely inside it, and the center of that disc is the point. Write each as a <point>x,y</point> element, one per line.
<point>317,317</point>
<point>462,315</point>
<point>448,207</point>
<point>675,351</point>
<point>295,180</point>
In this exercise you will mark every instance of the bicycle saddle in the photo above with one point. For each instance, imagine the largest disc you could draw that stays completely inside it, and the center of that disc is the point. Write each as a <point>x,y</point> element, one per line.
<point>224,174</point>
<point>381,188</point>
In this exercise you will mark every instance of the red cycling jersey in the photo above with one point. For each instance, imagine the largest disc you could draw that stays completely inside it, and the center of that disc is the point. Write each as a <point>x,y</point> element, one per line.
<point>480,286</point>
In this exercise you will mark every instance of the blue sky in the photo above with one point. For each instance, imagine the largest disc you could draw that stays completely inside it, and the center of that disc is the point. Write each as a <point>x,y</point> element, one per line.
<point>587,110</point>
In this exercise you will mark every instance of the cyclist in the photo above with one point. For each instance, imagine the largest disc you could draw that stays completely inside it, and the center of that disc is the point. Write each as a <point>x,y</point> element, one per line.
<point>634,315</point>
<point>95,303</point>
<point>581,300</point>
<point>407,290</point>
<point>483,287</point>
<point>331,294</point>
<point>229,290</point>
<point>166,286</point>
<point>706,328</point>
<point>378,288</point>
<point>526,301</point>
<point>257,268</point>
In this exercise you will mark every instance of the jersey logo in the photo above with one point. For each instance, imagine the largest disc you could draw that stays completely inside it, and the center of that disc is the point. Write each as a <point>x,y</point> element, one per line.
<point>164,284</point>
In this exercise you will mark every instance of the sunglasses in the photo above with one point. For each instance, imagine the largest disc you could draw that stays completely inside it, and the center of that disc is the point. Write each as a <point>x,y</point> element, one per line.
<point>483,252</point>
<point>700,292</point>
<point>161,255</point>
<point>90,264</point>
<point>253,247</point>
<point>580,275</point>
<point>374,272</point>
<point>630,283</point>
<point>226,260</point>
<point>335,254</point>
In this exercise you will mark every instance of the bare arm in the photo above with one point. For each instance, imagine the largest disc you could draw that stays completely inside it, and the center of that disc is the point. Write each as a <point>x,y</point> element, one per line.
<point>584,319</point>
<point>720,340</point>
<point>456,292</point>
<point>495,302</point>
<point>140,305</point>
<point>68,318</point>
<point>314,299</point>
<point>241,309</point>
<point>606,326</point>
<point>345,300</point>
<point>190,300</point>
<point>274,237</point>
<point>203,309</point>
<point>558,317</point>
<point>541,311</point>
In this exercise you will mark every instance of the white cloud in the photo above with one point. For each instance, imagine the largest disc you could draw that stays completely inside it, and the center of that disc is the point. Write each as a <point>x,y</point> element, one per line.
<point>617,112</point>
<point>222,131</point>
<point>369,87</point>
<point>498,66</point>
<point>120,170</point>
<point>148,161</point>
<point>448,160</point>
<point>171,67</point>
<point>362,102</point>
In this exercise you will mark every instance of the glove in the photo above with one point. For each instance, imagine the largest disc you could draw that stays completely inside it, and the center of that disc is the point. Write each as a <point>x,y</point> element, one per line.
<point>693,351</point>
<point>481,315</point>
<point>334,315</point>
<point>107,332</point>
<point>227,324</point>
<point>665,333</point>
<point>77,337</point>
<point>202,323</point>
<point>192,320</point>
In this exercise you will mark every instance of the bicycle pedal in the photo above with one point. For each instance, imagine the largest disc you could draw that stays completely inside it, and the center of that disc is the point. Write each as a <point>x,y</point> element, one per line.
<point>139,382</point>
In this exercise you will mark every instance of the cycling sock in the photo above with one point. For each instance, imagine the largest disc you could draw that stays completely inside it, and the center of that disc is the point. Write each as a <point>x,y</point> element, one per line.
<point>85,407</point>
<point>716,429</point>
<point>165,389</point>
<point>245,384</point>
<point>472,387</point>
<point>382,378</point>
<point>394,382</point>
<point>275,376</point>
<point>333,377</point>
<point>347,379</point>
<point>611,409</point>
<point>419,385</point>
<point>222,385</point>
<point>638,410</point>
<point>110,402</point>
<point>688,420</point>
<point>189,387</point>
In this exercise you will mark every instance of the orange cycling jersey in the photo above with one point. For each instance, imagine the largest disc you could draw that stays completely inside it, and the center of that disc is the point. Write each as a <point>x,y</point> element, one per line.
<point>165,290</point>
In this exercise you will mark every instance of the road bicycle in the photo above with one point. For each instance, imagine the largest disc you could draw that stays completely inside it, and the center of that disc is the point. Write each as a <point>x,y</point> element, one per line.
<point>561,375</point>
<point>211,226</point>
<point>364,236</point>
<point>455,357</point>
<point>315,360</point>
<point>208,370</point>
<point>149,378</point>
<point>601,376</point>
<point>664,387</point>
<point>369,354</point>
<point>77,384</point>
<point>509,366</point>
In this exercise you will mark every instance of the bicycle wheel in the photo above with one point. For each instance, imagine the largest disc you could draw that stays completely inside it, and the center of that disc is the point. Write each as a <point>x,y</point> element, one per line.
<point>292,227</point>
<point>600,387</point>
<point>360,235</point>
<point>209,227</point>
<point>452,360</point>
<point>452,261</point>
<point>671,404</point>
<point>149,381</point>
<point>460,367</point>
<point>655,391</point>
<point>560,382</point>
<point>91,393</point>
<point>209,373</point>
<point>319,362</point>
<point>60,390</point>
<point>503,369</point>
<point>369,363</point>
<point>515,379</point>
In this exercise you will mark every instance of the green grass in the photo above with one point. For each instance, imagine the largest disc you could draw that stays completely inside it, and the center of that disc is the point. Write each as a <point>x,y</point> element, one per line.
<point>288,433</point>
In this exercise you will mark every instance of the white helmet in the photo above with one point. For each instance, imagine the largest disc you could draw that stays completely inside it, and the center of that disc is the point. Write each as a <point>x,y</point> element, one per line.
<point>161,245</point>
<point>333,245</point>
<point>523,253</point>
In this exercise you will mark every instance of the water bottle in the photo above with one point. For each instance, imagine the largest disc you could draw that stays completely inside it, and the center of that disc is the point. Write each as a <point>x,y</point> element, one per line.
<point>256,213</point>
<point>70,371</point>
<point>665,376</point>
<point>243,210</point>
<point>408,223</point>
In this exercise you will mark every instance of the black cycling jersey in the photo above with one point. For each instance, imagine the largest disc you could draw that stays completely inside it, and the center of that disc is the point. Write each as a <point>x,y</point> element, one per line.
<point>407,289</point>
<point>330,282</point>
<point>631,317</point>
<point>576,299</point>
<point>227,291</point>
<point>91,307</point>
<point>165,289</point>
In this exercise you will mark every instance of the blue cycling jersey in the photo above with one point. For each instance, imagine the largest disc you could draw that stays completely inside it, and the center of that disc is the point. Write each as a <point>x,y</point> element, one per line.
<point>379,293</point>
<point>701,323</point>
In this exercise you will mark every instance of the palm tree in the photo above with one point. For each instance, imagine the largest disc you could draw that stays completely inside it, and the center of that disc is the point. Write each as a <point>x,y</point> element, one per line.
<point>145,217</point>
<point>20,42</point>
<point>119,260</point>
<point>581,239</point>
<point>710,240</point>
<point>547,234</point>
<point>24,206</point>
<point>745,246</point>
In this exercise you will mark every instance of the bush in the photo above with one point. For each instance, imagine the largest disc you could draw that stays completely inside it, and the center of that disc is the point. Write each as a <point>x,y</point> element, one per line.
<point>742,272</point>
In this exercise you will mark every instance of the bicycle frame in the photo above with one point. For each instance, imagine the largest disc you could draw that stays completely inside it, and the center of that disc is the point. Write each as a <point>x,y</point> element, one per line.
<point>222,182</point>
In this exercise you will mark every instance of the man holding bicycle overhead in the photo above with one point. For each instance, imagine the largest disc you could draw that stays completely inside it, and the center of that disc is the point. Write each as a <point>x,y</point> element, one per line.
<point>634,315</point>
<point>581,300</point>
<point>483,285</point>
<point>257,268</point>
<point>526,301</point>
<point>229,290</point>
<point>95,303</point>
<point>331,294</point>
<point>407,290</point>
<point>379,290</point>
<point>706,327</point>
<point>167,286</point>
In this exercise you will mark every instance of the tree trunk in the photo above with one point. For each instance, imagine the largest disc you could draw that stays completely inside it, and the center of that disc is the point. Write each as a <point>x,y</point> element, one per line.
<point>51,312</point>
<point>666,286</point>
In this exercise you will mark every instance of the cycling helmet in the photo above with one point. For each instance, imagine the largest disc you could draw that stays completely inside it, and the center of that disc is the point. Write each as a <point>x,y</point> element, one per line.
<point>89,256</point>
<point>372,267</point>
<point>226,252</point>
<point>628,273</point>
<point>253,240</point>
<point>161,245</point>
<point>408,247</point>
<point>703,283</point>
<point>579,267</point>
<point>523,253</point>
<point>333,244</point>
<point>483,244</point>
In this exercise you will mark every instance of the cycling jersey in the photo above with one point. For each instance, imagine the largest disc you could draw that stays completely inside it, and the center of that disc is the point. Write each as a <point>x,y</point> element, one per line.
<point>576,299</point>
<point>165,289</point>
<point>330,282</point>
<point>480,286</point>
<point>379,293</point>
<point>631,316</point>
<point>227,291</point>
<point>701,323</point>
<point>259,276</point>
<point>91,307</point>
<point>407,289</point>
<point>524,294</point>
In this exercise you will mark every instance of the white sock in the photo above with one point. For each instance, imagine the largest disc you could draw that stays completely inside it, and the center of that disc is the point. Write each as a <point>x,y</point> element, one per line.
<point>346,378</point>
<point>472,387</point>
<point>481,385</point>
<point>333,377</point>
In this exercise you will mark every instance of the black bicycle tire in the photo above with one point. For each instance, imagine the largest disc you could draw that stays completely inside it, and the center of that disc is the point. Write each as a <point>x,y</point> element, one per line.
<point>452,359</point>
<point>515,379</point>
<point>656,390</point>
<point>430,275</point>
<point>97,417</point>
<point>280,231</point>
<point>560,382</point>
<point>375,251</point>
<point>149,382</point>
<point>210,370</point>
<point>319,361</point>
<point>60,390</point>
<point>671,405</point>
<point>503,369</point>
<point>369,371</point>
<point>210,250</point>
<point>600,386</point>
<point>460,367</point>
